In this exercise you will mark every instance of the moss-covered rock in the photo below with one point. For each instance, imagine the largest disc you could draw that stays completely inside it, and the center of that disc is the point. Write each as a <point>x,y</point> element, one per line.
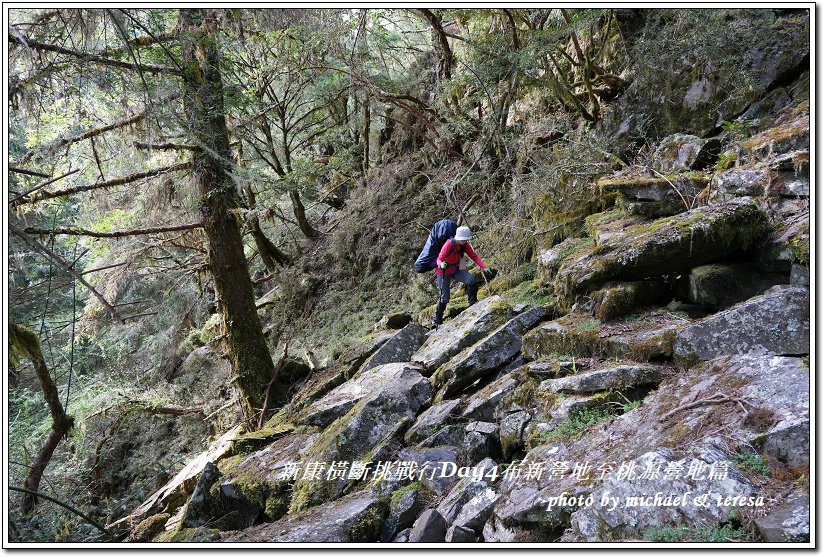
<point>658,195</point>
<point>649,337</point>
<point>189,535</point>
<point>777,322</point>
<point>663,246</point>
<point>618,299</point>
<point>392,399</point>
<point>550,260</point>
<point>603,226</point>
<point>148,528</point>
<point>681,152</point>
<point>352,519</point>
<point>720,286</point>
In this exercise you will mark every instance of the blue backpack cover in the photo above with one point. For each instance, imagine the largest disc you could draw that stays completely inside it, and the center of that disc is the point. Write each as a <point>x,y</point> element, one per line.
<point>441,232</point>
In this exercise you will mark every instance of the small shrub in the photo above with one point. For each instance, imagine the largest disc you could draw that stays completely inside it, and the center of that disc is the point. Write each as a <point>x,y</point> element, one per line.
<point>751,462</point>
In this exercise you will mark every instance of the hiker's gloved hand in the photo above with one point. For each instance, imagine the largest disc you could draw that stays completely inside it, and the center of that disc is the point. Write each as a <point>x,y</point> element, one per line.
<point>490,273</point>
<point>444,264</point>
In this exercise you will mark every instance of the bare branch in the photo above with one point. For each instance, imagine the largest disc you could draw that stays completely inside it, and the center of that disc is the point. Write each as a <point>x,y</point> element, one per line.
<point>28,172</point>
<point>113,234</point>
<point>43,47</point>
<point>107,184</point>
<point>37,246</point>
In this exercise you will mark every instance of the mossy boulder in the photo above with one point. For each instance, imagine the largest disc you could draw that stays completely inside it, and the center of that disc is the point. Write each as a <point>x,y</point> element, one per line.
<point>264,478</point>
<point>720,286</point>
<point>663,246</point>
<point>465,330</point>
<point>620,377</point>
<point>603,226</point>
<point>148,528</point>
<point>649,337</point>
<point>655,196</point>
<point>481,405</point>
<point>618,299</point>
<point>485,356</point>
<point>682,152</point>
<point>739,182</point>
<point>352,519</point>
<point>387,400</point>
<point>550,260</point>
<point>777,322</point>
<point>790,135</point>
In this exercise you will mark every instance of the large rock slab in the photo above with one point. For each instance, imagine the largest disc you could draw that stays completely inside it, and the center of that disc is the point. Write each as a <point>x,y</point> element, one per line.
<point>681,152</point>
<point>655,196</point>
<point>174,493</point>
<point>264,478</point>
<point>395,395</point>
<point>465,490</point>
<point>778,322</point>
<point>740,182</point>
<point>683,415</point>
<point>720,286</point>
<point>481,405</point>
<point>618,299</point>
<point>343,368</point>
<point>399,348</point>
<point>663,246</point>
<point>469,327</point>
<point>485,356</point>
<point>429,528</point>
<point>550,260</point>
<point>352,519</point>
<point>787,523</point>
<point>603,226</point>
<point>431,420</point>
<point>649,337</point>
<point>341,399</point>
<point>615,377</point>
<point>631,518</point>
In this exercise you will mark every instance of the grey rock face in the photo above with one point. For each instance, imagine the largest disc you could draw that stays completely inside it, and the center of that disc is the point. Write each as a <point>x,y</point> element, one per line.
<point>721,286</point>
<point>464,491</point>
<point>476,511</point>
<point>485,356</point>
<point>402,515</point>
<point>399,348</point>
<point>800,275</point>
<point>354,518</point>
<point>680,152</point>
<point>789,184</point>
<point>663,246</point>
<point>512,428</point>
<point>550,260</point>
<point>340,400</point>
<point>434,466</point>
<point>631,518</point>
<point>777,322</point>
<point>430,420</point>
<point>460,534</point>
<point>738,183</point>
<point>391,396</point>
<point>789,522</point>
<point>616,377</point>
<point>481,405</point>
<point>469,327</point>
<point>429,528</point>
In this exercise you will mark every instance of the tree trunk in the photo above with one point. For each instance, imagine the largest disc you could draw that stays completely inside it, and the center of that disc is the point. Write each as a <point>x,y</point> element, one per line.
<point>251,362</point>
<point>25,341</point>
<point>269,252</point>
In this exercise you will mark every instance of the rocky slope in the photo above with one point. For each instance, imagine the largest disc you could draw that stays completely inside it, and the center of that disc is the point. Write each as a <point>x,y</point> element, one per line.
<point>665,385</point>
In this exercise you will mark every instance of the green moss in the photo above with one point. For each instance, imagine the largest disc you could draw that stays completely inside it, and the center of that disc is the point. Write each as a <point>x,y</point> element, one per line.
<point>399,494</point>
<point>189,535</point>
<point>367,527</point>
<point>800,248</point>
<point>589,325</point>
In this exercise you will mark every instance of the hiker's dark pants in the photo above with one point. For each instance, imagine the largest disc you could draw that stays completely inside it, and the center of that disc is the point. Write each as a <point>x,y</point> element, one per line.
<point>445,282</point>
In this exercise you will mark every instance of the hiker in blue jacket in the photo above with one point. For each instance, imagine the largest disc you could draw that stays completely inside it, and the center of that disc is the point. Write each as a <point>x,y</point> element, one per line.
<point>448,268</point>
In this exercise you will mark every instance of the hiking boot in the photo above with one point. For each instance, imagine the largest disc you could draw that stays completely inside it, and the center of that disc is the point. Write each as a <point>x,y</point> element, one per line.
<point>472,293</point>
<point>438,318</point>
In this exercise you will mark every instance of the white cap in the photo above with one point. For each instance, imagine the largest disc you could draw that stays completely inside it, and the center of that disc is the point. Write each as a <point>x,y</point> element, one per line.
<point>463,233</point>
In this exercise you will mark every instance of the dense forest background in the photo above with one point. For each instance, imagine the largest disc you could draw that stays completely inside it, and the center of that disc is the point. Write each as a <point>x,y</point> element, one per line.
<point>203,199</point>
